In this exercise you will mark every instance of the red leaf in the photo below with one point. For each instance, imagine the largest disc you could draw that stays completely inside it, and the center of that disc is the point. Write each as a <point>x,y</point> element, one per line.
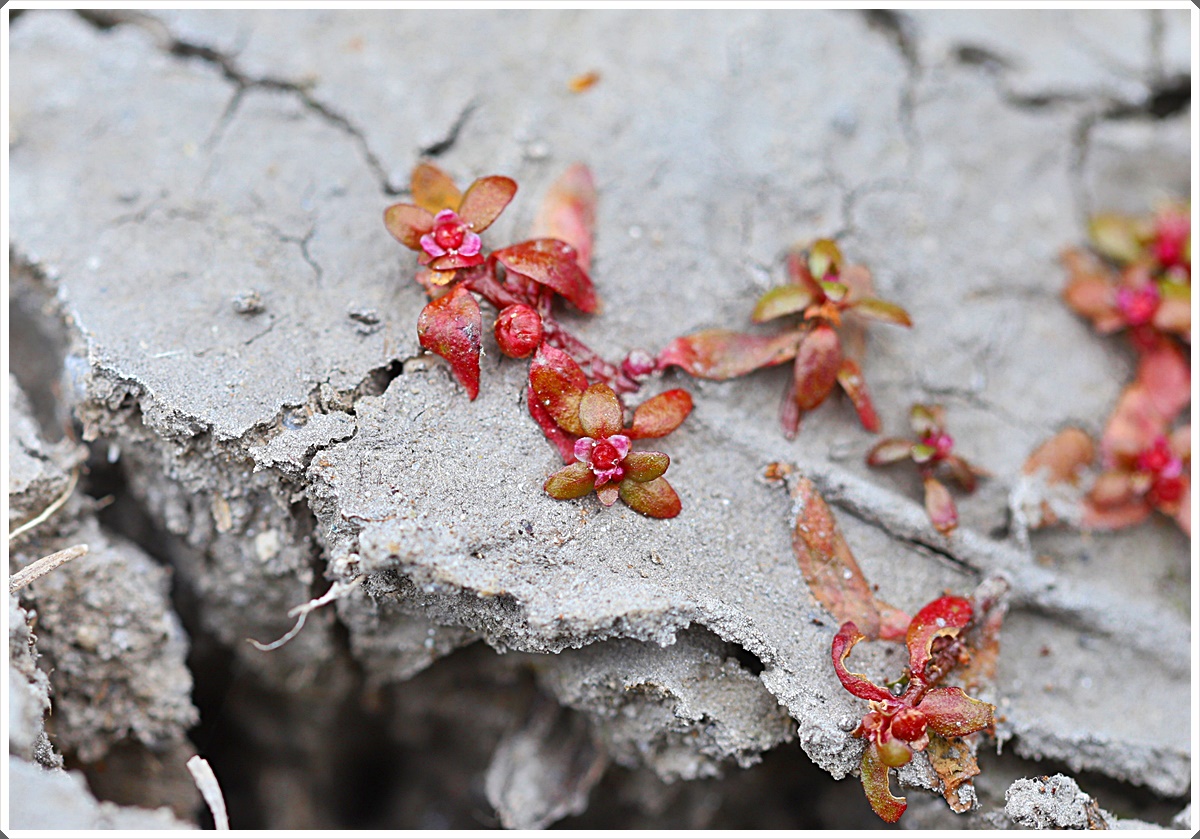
<point>939,506</point>
<point>433,189</point>
<point>1174,313</point>
<point>724,354</point>
<point>451,327</point>
<point>553,264</point>
<point>1114,516</point>
<point>408,224</point>
<point>656,498</point>
<point>856,683</point>
<point>963,471</point>
<point>563,440</point>
<point>568,212</point>
<point>659,416</point>
<point>1147,408</point>
<point>944,616</point>
<point>828,566</point>
<point>557,384</point>
<point>1094,297</point>
<point>817,363</point>
<point>600,412</point>
<point>485,200</point>
<point>645,466</point>
<point>875,783</point>
<point>573,481</point>
<point>952,713</point>
<point>851,379</point>
<point>1062,457</point>
<point>784,300</point>
<point>608,494</point>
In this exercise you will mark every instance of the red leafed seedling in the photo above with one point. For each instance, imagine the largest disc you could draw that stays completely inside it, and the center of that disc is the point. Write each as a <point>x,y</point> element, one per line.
<point>909,720</point>
<point>521,282</point>
<point>832,299</point>
<point>932,450</point>
<point>1139,277</point>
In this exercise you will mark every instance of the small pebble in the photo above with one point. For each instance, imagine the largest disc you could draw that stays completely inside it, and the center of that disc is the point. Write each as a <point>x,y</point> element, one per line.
<point>248,303</point>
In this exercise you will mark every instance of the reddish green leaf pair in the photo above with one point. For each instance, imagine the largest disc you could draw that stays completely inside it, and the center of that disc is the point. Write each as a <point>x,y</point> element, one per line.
<point>588,428</point>
<point>896,726</point>
<point>823,292</point>
<point>932,450</point>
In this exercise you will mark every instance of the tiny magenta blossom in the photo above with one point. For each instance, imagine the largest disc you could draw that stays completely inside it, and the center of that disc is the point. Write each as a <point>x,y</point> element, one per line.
<point>589,429</point>
<point>451,235</point>
<point>898,725</point>
<point>605,456</point>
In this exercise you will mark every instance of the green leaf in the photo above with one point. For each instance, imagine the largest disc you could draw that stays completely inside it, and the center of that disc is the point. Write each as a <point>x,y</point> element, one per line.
<point>784,300</point>
<point>927,420</point>
<point>645,466</point>
<point>656,498</point>
<point>574,481</point>
<point>833,290</point>
<point>1118,237</point>
<point>824,257</point>
<point>881,310</point>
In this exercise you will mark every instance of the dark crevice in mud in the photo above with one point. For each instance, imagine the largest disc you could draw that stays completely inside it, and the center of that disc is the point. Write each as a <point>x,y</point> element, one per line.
<point>785,791</point>
<point>446,143</point>
<point>37,343</point>
<point>377,380</point>
<point>747,660</point>
<point>896,27</point>
<point>105,20</point>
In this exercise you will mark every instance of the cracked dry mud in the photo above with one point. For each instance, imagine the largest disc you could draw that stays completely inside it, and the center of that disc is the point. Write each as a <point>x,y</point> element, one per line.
<point>202,281</point>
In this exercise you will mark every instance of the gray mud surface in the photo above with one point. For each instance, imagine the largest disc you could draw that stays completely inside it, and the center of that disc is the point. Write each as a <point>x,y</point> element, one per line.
<point>214,335</point>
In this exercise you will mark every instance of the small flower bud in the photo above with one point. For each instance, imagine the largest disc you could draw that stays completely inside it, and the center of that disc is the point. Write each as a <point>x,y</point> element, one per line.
<point>638,365</point>
<point>518,330</point>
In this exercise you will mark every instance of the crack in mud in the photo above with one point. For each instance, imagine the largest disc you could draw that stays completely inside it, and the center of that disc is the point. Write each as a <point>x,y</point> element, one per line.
<point>242,82</point>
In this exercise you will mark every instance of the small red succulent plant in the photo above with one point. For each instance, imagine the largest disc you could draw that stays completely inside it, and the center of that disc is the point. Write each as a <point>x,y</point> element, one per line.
<point>831,298</point>
<point>591,434</point>
<point>521,282</point>
<point>1138,278</point>
<point>932,450</point>
<point>899,724</point>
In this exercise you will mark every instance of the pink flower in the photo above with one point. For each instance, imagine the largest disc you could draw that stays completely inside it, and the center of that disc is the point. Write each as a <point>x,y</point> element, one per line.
<point>605,456</point>
<point>450,235</point>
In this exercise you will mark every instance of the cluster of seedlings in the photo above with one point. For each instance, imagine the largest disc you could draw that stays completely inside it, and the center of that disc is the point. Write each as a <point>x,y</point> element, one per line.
<point>1136,280</point>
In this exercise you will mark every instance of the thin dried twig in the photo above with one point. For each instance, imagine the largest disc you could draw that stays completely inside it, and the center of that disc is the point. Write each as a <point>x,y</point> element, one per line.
<point>338,589</point>
<point>44,566</point>
<point>50,510</point>
<point>206,782</point>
